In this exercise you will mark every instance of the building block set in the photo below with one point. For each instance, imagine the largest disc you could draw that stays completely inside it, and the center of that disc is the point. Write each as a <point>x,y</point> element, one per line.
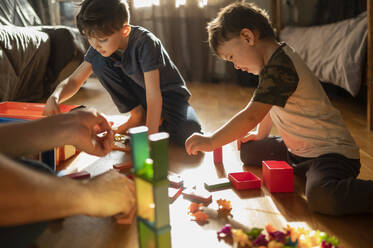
<point>150,175</point>
<point>23,111</point>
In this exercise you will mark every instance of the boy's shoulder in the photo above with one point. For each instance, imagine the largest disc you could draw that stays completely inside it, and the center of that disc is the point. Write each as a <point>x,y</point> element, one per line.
<point>139,33</point>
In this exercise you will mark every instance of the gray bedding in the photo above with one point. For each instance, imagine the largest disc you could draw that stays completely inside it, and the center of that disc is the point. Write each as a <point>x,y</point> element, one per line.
<point>336,52</point>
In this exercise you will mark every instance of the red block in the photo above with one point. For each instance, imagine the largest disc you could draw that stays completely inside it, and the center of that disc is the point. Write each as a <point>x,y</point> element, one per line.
<point>244,180</point>
<point>218,155</point>
<point>278,176</point>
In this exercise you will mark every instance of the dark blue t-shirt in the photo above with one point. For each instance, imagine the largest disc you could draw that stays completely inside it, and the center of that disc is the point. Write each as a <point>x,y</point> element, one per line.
<point>144,53</point>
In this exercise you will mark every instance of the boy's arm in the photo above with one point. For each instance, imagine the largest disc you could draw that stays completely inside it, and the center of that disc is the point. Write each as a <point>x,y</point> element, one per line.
<point>67,88</point>
<point>28,196</point>
<point>262,131</point>
<point>153,100</point>
<point>238,126</point>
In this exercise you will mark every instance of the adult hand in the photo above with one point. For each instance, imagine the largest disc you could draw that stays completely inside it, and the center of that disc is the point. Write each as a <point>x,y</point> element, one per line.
<point>111,193</point>
<point>91,132</point>
<point>198,142</point>
<point>51,107</point>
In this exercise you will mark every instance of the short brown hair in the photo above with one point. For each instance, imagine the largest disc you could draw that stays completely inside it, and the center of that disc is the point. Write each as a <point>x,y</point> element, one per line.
<point>102,17</point>
<point>235,17</point>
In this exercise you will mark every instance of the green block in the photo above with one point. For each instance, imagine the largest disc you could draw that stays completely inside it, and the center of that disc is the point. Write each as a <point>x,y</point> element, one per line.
<point>147,171</point>
<point>153,238</point>
<point>159,154</point>
<point>153,202</point>
<point>140,146</point>
<point>218,183</point>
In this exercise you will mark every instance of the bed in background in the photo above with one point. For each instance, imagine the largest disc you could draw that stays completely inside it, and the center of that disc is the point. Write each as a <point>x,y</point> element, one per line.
<point>340,53</point>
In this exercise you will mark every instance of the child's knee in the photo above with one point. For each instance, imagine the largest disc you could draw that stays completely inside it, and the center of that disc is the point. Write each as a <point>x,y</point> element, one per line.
<point>248,157</point>
<point>323,199</point>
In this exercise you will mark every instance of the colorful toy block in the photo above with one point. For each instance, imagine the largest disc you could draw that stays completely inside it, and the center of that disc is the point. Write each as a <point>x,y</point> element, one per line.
<point>140,148</point>
<point>197,195</point>
<point>150,237</point>
<point>152,201</point>
<point>176,181</point>
<point>159,154</point>
<point>278,176</point>
<point>151,187</point>
<point>244,180</point>
<point>218,155</point>
<point>174,193</point>
<point>219,183</point>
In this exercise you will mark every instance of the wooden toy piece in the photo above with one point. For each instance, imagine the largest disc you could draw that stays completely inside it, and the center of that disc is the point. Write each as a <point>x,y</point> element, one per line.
<point>151,237</point>
<point>218,155</point>
<point>224,207</point>
<point>176,181</point>
<point>79,175</point>
<point>174,193</point>
<point>200,217</point>
<point>123,167</point>
<point>278,176</point>
<point>196,195</point>
<point>140,148</point>
<point>244,180</point>
<point>153,202</point>
<point>159,153</point>
<point>147,171</point>
<point>219,183</point>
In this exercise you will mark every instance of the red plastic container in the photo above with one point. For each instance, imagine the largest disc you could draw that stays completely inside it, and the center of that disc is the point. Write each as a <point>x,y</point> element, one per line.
<point>26,110</point>
<point>278,176</point>
<point>244,180</point>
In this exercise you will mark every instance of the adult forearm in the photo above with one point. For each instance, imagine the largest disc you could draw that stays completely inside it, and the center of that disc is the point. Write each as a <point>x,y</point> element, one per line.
<point>30,137</point>
<point>28,196</point>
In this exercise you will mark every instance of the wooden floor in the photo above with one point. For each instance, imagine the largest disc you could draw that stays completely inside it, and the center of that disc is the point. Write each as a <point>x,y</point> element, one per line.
<point>215,104</point>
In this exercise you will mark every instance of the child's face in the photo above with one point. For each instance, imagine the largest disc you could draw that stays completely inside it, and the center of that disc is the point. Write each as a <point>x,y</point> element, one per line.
<point>241,51</point>
<point>107,45</point>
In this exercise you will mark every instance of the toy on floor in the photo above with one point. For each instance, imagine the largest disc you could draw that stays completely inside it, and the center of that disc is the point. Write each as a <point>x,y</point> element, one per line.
<point>174,193</point>
<point>224,207</point>
<point>197,195</point>
<point>176,181</point>
<point>290,237</point>
<point>199,216</point>
<point>277,176</point>
<point>216,184</point>
<point>124,166</point>
<point>218,155</point>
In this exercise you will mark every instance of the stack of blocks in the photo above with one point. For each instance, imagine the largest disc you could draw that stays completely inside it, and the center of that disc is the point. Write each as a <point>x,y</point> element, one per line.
<point>150,173</point>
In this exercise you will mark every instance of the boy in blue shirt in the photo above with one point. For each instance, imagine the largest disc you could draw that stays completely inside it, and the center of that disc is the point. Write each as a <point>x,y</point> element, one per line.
<point>133,66</point>
<point>313,137</point>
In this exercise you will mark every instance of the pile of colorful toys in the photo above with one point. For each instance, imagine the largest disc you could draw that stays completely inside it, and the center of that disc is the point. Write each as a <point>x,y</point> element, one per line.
<point>290,237</point>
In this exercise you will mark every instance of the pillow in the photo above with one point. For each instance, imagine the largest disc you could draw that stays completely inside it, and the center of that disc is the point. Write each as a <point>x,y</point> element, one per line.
<point>334,52</point>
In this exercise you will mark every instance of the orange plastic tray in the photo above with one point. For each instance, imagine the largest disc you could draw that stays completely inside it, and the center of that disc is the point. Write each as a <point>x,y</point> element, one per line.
<point>27,111</point>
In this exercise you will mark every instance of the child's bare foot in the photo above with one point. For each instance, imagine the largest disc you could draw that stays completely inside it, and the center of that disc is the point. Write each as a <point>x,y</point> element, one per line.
<point>137,118</point>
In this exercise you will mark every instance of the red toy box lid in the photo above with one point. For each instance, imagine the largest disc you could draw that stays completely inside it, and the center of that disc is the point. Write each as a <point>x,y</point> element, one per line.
<point>26,110</point>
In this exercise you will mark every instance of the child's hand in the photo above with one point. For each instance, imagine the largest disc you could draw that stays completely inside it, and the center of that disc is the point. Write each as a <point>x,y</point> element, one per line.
<point>198,142</point>
<point>248,137</point>
<point>51,107</point>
